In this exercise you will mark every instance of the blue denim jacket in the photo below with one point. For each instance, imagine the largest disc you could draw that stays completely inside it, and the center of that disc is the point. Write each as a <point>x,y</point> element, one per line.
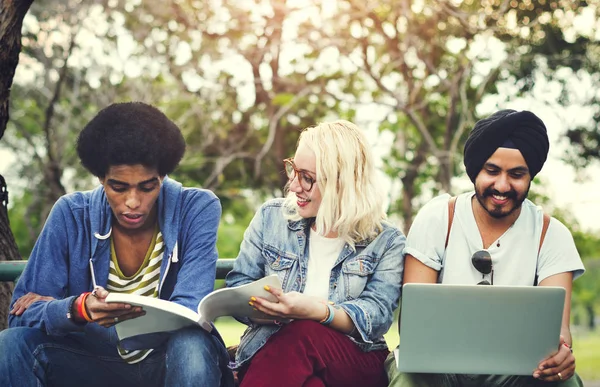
<point>366,283</point>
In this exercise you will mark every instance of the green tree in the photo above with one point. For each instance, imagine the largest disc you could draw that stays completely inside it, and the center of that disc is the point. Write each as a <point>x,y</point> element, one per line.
<point>586,290</point>
<point>562,49</point>
<point>54,95</point>
<point>242,78</point>
<point>431,63</point>
<point>11,19</point>
<point>242,97</point>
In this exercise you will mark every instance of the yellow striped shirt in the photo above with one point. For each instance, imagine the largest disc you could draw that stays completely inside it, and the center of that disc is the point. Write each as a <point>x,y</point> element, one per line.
<point>145,283</point>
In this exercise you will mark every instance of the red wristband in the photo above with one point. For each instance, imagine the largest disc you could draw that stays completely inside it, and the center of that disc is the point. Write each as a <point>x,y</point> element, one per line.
<point>82,309</point>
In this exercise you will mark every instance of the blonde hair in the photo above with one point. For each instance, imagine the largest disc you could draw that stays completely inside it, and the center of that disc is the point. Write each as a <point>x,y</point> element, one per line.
<point>351,203</point>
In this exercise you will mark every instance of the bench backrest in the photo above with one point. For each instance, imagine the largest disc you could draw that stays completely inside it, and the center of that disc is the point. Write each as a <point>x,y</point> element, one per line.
<point>11,270</point>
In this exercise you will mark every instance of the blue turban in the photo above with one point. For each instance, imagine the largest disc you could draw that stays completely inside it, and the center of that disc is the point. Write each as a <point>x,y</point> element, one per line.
<point>522,130</point>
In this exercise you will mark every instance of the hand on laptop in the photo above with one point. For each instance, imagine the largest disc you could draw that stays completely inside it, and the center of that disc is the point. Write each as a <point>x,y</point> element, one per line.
<point>559,366</point>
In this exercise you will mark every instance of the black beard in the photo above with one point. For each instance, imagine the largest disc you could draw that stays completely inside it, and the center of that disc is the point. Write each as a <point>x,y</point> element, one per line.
<point>512,194</point>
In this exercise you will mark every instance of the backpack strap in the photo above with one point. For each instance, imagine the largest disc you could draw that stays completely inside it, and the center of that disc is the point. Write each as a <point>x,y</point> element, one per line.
<point>544,230</point>
<point>451,208</point>
<point>546,223</point>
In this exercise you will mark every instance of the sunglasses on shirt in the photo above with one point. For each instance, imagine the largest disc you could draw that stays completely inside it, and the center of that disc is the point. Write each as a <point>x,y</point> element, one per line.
<point>482,261</point>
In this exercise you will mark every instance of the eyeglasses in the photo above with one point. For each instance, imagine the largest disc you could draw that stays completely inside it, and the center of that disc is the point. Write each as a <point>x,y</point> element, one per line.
<point>482,261</point>
<point>304,178</point>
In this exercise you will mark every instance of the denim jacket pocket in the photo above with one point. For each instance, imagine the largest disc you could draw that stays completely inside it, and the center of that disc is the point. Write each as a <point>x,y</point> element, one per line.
<point>278,263</point>
<point>356,274</point>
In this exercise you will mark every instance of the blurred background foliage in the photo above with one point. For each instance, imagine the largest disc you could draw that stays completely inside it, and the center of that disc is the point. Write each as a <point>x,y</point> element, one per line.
<point>242,78</point>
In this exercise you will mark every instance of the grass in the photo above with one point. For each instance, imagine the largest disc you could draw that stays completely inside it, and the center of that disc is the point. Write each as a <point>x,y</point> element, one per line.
<point>230,329</point>
<point>585,344</point>
<point>586,347</point>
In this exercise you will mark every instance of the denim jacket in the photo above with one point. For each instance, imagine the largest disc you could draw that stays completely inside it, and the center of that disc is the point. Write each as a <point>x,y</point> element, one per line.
<point>366,283</point>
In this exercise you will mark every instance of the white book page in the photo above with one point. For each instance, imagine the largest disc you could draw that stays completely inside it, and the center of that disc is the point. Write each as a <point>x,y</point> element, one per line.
<point>234,301</point>
<point>161,315</point>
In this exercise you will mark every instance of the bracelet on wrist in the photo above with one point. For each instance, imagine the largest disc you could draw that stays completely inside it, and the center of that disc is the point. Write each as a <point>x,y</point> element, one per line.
<point>327,312</point>
<point>82,308</point>
<point>329,316</point>
<point>71,312</point>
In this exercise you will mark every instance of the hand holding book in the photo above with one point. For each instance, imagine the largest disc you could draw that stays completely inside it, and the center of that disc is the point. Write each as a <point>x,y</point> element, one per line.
<point>165,316</point>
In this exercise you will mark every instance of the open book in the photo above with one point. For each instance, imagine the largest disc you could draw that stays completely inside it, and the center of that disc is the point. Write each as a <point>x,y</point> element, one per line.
<point>164,316</point>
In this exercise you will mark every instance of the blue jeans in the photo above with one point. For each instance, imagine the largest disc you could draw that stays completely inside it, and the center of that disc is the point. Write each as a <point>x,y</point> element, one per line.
<point>29,357</point>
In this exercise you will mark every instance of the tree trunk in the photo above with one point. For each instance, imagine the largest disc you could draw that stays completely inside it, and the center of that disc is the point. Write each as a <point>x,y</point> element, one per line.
<point>591,316</point>
<point>12,13</point>
<point>409,184</point>
<point>8,251</point>
<point>408,194</point>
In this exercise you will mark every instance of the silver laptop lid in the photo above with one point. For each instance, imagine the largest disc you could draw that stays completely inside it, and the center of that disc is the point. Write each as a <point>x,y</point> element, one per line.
<point>470,329</point>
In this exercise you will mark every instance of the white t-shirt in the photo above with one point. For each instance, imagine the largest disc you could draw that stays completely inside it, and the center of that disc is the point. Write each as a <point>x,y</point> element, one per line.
<point>322,254</point>
<point>515,261</point>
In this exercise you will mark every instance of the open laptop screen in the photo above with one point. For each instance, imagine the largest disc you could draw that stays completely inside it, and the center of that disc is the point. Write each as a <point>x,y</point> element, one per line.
<point>504,330</point>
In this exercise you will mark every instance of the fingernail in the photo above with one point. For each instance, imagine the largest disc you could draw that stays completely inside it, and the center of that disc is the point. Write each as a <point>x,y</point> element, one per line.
<point>251,303</point>
<point>252,298</point>
<point>267,287</point>
<point>331,303</point>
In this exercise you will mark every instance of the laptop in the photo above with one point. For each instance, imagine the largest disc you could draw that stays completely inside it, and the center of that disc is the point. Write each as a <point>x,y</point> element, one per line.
<point>478,329</point>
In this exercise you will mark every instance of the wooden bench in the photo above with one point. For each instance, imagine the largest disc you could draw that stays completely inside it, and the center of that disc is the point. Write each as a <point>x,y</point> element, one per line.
<point>11,270</point>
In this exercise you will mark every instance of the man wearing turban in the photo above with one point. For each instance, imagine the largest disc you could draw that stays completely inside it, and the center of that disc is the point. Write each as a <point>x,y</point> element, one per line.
<point>502,155</point>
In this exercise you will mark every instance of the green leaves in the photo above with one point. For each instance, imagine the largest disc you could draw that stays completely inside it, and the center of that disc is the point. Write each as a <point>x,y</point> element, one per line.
<point>242,81</point>
<point>282,99</point>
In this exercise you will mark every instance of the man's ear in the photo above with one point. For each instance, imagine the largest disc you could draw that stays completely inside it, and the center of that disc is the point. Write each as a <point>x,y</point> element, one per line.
<point>101,179</point>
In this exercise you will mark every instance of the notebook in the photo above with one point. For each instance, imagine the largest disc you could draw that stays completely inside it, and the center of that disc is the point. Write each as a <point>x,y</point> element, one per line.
<point>478,329</point>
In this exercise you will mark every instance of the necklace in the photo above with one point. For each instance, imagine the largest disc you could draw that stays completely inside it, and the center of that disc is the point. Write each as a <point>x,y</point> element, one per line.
<point>485,222</point>
<point>507,230</point>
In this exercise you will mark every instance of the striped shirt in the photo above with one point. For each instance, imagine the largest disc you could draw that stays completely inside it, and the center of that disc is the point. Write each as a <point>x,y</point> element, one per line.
<point>144,283</point>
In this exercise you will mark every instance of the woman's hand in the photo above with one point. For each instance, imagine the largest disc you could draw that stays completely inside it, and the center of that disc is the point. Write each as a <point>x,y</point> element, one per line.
<point>292,305</point>
<point>109,314</point>
<point>25,302</point>
<point>558,366</point>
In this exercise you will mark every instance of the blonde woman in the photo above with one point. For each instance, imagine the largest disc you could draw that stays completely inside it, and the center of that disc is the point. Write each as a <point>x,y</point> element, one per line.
<point>340,266</point>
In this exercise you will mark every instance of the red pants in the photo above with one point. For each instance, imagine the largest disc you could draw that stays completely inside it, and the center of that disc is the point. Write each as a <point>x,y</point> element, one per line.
<point>306,353</point>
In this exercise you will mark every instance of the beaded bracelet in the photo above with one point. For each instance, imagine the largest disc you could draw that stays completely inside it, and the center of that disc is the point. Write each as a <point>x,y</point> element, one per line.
<point>76,307</point>
<point>71,311</point>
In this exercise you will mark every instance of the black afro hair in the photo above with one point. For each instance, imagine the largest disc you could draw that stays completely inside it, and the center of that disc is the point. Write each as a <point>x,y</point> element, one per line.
<point>128,134</point>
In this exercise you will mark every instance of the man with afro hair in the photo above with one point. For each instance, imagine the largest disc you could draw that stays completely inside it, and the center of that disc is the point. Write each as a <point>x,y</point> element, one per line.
<point>139,232</point>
